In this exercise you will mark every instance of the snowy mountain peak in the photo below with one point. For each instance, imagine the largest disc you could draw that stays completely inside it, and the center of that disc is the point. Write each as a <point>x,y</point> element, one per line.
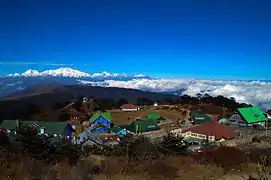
<point>69,72</point>
<point>140,75</point>
<point>106,74</point>
<point>31,72</point>
<point>65,72</point>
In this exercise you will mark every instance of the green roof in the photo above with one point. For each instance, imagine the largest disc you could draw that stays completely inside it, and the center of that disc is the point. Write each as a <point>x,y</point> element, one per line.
<point>252,114</point>
<point>199,117</point>
<point>147,125</point>
<point>144,125</point>
<point>106,115</point>
<point>153,116</point>
<point>9,124</point>
<point>49,127</point>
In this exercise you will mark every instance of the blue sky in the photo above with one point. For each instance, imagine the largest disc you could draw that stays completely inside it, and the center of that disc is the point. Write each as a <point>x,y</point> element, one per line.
<point>170,38</point>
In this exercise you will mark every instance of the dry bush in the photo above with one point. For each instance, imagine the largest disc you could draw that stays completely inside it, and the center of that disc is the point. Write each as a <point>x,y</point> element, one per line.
<point>265,138</point>
<point>104,168</point>
<point>183,160</point>
<point>261,156</point>
<point>20,168</point>
<point>121,177</point>
<point>222,158</point>
<point>87,168</point>
<point>157,169</point>
<point>161,169</point>
<point>113,166</point>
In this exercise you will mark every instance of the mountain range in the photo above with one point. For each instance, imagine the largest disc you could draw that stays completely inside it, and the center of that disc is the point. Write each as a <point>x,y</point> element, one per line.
<point>72,73</point>
<point>13,83</point>
<point>254,92</point>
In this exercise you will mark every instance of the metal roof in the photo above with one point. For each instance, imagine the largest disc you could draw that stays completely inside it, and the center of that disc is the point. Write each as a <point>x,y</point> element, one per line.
<point>252,114</point>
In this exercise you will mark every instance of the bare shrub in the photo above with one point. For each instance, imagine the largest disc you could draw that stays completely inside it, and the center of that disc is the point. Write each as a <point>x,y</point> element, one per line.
<point>161,169</point>
<point>261,156</point>
<point>113,166</point>
<point>220,157</point>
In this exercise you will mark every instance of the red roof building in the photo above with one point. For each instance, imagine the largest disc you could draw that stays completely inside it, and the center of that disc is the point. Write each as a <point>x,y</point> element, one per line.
<point>213,128</point>
<point>129,107</point>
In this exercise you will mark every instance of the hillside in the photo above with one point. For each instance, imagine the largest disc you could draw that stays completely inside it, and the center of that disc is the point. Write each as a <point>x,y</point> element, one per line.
<point>26,103</point>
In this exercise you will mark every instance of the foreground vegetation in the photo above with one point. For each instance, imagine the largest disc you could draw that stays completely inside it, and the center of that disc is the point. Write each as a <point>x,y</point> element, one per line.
<point>33,157</point>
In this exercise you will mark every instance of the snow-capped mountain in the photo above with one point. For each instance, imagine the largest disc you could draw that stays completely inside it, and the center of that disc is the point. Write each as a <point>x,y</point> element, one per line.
<point>69,72</point>
<point>65,76</point>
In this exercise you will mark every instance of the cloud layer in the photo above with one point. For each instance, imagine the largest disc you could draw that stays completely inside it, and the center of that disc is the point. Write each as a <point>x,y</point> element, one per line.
<point>254,92</point>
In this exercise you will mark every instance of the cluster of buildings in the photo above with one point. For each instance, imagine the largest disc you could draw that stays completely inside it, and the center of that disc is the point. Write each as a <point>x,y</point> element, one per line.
<point>219,128</point>
<point>98,130</point>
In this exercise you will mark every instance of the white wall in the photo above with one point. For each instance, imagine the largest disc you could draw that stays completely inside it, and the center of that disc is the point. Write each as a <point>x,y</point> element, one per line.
<point>135,109</point>
<point>191,134</point>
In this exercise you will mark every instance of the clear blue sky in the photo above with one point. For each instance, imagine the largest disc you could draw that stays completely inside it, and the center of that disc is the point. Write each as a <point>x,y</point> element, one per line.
<point>169,38</point>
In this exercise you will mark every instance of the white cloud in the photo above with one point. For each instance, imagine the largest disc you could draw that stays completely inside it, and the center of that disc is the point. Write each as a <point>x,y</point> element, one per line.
<point>254,92</point>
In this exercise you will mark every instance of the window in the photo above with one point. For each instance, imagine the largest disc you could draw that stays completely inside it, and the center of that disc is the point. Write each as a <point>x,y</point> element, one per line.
<point>194,134</point>
<point>233,121</point>
<point>201,136</point>
<point>211,138</point>
<point>151,126</point>
<point>42,130</point>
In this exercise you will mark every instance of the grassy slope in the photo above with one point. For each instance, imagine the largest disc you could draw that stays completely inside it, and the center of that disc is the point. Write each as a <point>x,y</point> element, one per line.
<point>119,117</point>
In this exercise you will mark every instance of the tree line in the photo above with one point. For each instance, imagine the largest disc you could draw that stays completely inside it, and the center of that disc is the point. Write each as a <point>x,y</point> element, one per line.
<point>184,99</point>
<point>103,104</point>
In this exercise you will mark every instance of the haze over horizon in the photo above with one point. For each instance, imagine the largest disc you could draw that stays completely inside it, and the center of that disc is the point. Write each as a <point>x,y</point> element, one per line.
<point>209,39</point>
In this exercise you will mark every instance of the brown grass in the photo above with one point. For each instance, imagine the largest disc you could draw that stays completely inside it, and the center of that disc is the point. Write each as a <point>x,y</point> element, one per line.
<point>119,117</point>
<point>115,168</point>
